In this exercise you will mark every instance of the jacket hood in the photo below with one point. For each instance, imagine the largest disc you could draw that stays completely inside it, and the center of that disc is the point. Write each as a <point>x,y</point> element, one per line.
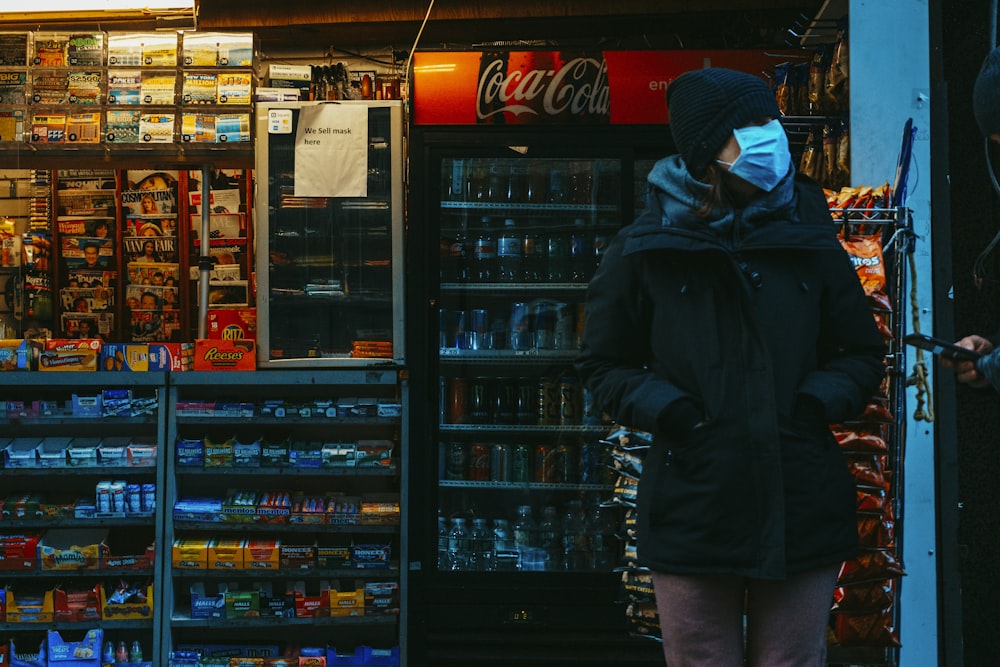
<point>775,219</point>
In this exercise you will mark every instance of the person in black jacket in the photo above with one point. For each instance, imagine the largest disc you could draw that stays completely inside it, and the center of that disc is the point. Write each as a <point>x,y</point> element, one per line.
<point>986,107</point>
<point>729,322</point>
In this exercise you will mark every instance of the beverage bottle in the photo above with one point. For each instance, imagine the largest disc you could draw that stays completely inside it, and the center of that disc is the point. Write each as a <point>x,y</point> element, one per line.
<point>524,528</point>
<point>484,254</point>
<point>600,245</point>
<point>135,653</point>
<point>557,186</point>
<point>442,543</point>
<point>482,546</point>
<point>549,536</point>
<point>574,537</point>
<point>457,263</point>
<point>557,257</point>
<point>504,554</point>
<point>579,253</point>
<point>601,530</point>
<point>532,257</point>
<point>498,187</point>
<point>121,653</point>
<point>108,657</point>
<point>458,545</point>
<point>510,254</point>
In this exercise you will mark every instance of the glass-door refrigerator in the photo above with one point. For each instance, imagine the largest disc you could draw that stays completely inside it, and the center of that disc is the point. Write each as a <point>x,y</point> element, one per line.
<point>329,207</point>
<point>523,167</point>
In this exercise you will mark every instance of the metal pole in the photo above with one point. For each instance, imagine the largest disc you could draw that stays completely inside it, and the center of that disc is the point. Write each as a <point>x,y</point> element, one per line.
<point>204,258</point>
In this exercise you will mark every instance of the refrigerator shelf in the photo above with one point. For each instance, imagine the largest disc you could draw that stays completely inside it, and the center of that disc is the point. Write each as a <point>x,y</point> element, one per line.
<point>524,206</point>
<point>530,486</point>
<point>547,288</point>
<point>515,428</point>
<point>455,354</point>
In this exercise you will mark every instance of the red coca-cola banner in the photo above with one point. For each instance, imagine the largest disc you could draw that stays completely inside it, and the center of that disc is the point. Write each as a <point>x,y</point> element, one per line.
<point>559,87</point>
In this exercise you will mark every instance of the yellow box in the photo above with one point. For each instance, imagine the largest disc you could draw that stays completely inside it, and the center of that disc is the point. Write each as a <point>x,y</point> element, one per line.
<point>21,611</point>
<point>111,611</point>
<point>190,554</point>
<point>226,554</point>
<point>262,555</point>
<point>73,549</point>
<point>347,603</point>
<point>69,355</point>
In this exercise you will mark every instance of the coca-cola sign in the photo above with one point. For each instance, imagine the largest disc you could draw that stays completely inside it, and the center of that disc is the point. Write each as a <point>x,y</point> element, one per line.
<point>580,87</point>
<point>539,87</point>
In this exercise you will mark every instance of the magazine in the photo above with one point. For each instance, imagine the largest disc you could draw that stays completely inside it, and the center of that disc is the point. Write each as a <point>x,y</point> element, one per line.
<point>87,299</point>
<point>87,325</point>
<point>150,249</point>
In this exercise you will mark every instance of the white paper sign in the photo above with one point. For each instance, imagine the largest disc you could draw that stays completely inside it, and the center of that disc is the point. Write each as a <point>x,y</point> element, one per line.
<point>331,151</point>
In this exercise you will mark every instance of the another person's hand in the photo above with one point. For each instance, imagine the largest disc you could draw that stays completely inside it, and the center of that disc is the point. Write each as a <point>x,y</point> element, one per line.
<point>965,371</point>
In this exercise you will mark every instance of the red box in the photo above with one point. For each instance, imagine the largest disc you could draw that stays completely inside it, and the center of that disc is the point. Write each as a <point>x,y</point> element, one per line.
<point>225,355</point>
<point>311,603</point>
<point>171,356</point>
<point>232,324</point>
<point>19,552</point>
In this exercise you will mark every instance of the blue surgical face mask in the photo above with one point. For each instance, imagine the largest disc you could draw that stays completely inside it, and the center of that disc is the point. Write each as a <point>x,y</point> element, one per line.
<point>764,157</point>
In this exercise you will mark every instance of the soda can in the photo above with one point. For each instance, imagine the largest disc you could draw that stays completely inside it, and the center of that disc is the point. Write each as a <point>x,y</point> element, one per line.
<point>548,401</point>
<point>504,402</point>
<point>564,465</point>
<point>545,323</point>
<point>149,497</point>
<point>520,464</point>
<point>543,464</point>
<point>500,463</point>
<point>590,464</point>
<point>519,336</point>
<point>458,329</point>
<point>133,497</point>
<point>479,323</point>
<point>590,413</point>
<point>479,400</point>
<point>457,401</point>
<point>526,402</point>
<point>563,331</point>
<point>479,462</point>
<point>569,401</point>
<point>456,461</point>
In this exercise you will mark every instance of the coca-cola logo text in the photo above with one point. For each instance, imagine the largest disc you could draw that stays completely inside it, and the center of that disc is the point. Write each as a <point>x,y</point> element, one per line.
<point>579,88</point>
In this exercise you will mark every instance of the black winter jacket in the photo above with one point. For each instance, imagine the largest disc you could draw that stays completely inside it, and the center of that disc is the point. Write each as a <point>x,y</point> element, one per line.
<point>744,327</point>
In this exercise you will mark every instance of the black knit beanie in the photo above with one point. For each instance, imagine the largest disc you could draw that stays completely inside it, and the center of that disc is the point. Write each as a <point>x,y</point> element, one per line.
<point>986,95</point>
<point>706,105</point>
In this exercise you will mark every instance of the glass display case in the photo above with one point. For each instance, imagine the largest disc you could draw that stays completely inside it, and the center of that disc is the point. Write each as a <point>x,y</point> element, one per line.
<point>329,265</point>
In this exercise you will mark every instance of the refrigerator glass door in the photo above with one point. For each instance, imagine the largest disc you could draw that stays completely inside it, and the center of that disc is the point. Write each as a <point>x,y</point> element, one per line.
<point>522,472</point>
<point>329,277</point>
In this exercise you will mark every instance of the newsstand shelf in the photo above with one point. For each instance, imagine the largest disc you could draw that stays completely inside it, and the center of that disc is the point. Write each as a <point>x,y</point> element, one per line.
<point>336,573</point>
<point>293,421</point>
<point>110,471</point>
<point>143,624</point>
<point>77,523</point>
<point>63,574</point>
<point>515,428</point>
<point>291,472</point>
<point>283,527</point>
<point>187,622</point>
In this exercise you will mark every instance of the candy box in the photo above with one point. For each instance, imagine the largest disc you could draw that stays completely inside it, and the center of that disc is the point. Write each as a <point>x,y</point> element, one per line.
<point>381,598</point>
<point>275,454</point>
<point>219,454</point>
<point>129,551</point>
<point>113,451</point>
<point>275,604</point>
<point>82,452</point>
<point>306,455</point>
<point>190,452</point>
<point>297,556</point>
<point>72,548</point>
<point>242,603</point>
<point>19,552</point>
<point>208,601</point>
<point>127,603</point>
<point>246,454</point>
<point>380,657</point>
<point>21,453</point>
<point>52,452</point>
<point>274,507</point>
<point>335,658</point>
<point>226,554</point>
<point>140,455</point>
<point>225,355</point>
<point>190,553</point>
<point>262,554</point>
<point>33,605</point>
<point>83,653</point>
<point>333,552</point>
<point>312,600</point>
<point>347,603</point>
<point>371,556</point>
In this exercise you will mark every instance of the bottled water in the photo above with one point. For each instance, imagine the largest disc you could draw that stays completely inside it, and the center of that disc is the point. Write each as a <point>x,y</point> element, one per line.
<point>459,553</point>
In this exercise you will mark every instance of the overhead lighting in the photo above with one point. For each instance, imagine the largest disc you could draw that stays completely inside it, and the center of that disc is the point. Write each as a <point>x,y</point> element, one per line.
<point>107,6</point>
<point>97,9</point>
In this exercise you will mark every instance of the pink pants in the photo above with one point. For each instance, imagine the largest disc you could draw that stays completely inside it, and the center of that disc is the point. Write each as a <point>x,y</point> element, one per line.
<point>701,619</point>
